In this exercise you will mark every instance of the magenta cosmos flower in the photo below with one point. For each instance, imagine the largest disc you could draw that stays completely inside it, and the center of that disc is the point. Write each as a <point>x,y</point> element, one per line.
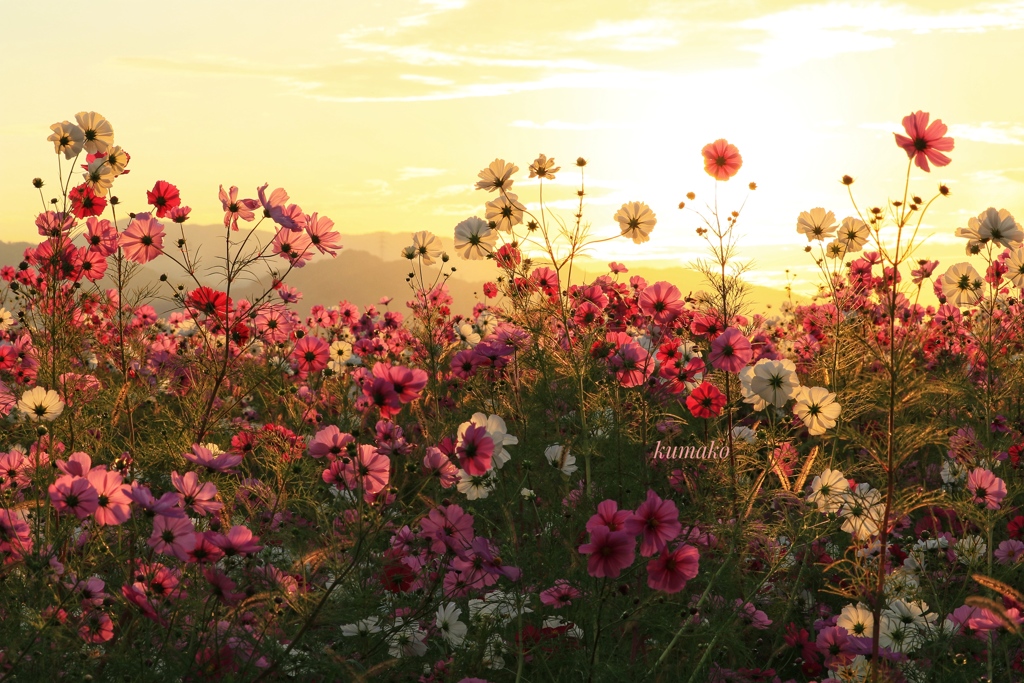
<point>560,595</point>
<point>369,470</point>
<point>192,494</point>
<point>219,462</point>
<point>706,401</point>
<point>662,301</point>
<point>238,541</point>
<point>173,536</point>
<point>75,495</point>
<point>731,351</point>
<point>926,142</point>
<point>113,506</point>
<point>331,442</point>
<point>721,160</point>
<point>986,488</point>
<point>475,450</point>
<point>610,552</point>
<point>609,516</point>
<point>143,239</point>
<point>670,571</point>
<point>657,521</point>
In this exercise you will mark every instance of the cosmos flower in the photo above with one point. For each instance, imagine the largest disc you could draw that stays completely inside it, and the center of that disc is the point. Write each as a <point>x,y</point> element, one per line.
<point>730,351</point>
<point>610,552</point>
<point>143,239</point>
<point>817,408</point>
<point>636,221</point>
<point>67,138</point>
<point>504,211</point>
<point>853,234</point>
<point>721,160</point>
<point>163,197</point>
<point>986,488</point>
<point>561,459</point>
<point>961,285</point>
<point>474,239</point>
<point>41,404</point>
<point>817,224</point>
<point>997,226</point>
<point>497,176</point>
<point>427,246</point>
<point>542,167</point>
<point>775,381</point>
<point>656,521</point>
<point>97,131</point>
<point>925,142</point>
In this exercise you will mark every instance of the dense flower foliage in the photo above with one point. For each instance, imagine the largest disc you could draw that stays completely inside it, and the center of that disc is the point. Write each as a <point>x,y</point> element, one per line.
<point>200,482</point>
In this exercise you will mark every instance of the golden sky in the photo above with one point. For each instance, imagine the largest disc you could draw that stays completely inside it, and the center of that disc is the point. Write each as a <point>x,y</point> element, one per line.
<point>380,114</point>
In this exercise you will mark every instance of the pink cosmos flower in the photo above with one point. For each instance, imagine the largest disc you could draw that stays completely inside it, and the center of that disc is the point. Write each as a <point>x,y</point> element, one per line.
<point>662,301</point>
<point>89,264</point>
<point>731,351</point>
<point>235,208</point>
<point>752,615</point>
<point>657,521</point>
<point>326,240</point>
<point>15,534</point>
<point>439,465</point>
<point>560,595</point>
<point>167,505</point>
<point>136,594</point>
<point>12,470</point>
<point>238,541</point>
<point>670,571</point>
<point>173,536</point>
<point>836,646</point>
<point>610,552</point>
<point>163,197</point>
<point>143,239</point>
<point>475,450</point>
<point>222,586</point>
<point>195,496</point>
<point>721,160</point>
<point>369,470</point>
<point>311,354</point>
<point>205,550</point>
<point>78,464</point>
<point>1009,552</point>
<point>449,528</point>
<point>113,506</point>
<point>96,627</point>
<point>926,142</point>
<point>331,442</point>
<point>75,495</point>
<point>408,383</point>
<point>986,488</point>
<point>101,236</point>
<point>706,401</point>
<point>286,215</point>
<point>631,364</point>
<point>297,247</point>
<point>204,457</point>
<point>609,516</point>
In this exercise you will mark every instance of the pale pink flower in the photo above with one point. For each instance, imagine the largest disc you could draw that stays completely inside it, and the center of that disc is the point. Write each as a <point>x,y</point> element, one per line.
<point>235,208</point>
<point>326,240</point>
<point>173,536</point>
<point>113,503</point>
<point>192,494</point>
<point>986,488</point>
<point>143,239</point>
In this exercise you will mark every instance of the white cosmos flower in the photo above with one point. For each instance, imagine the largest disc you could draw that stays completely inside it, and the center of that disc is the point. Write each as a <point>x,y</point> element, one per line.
<point>426,245</point>
<point>749,396</point>
<point>970,549</point>
<point>636,221</point>
<point>999,227</point>
<point>775,381</point>
<point>505,211</point>
<point>452,630</point>
<point>961,285</point>
<point>913,613</point>
<point>475,487</point>
<point>6,319</point>
<point>41,404</point>
<point>561,459</point>
<point>116,159</point>
<point>408,640</point>
<point>67,138</point>
<point>487,323</point>
<point>952,472</point>
<point>474,239</point>
<point>99,134</point>
<point>745,434</point>
<point>817,224</point>
<point>363,627</point>
<point>99,177</point>
<point>827,489</point>
<point>817,407</point>
<point>542,167</point>
<point>498,433</point>
<point>836,249</point>
<point>1015,268</point>
<point>340,352</point>
<point>897,636</point>
<point>497,176</point>
<point>862,512</point>
<point>854,234</point>
<point>467,334</point>
<point>857,620</point>
<point>856,671</point>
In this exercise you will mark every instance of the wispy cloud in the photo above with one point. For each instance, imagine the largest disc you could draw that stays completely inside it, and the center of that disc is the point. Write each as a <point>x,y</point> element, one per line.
<point>566,125</point>
<point>990,132</point>
<point>413,172</point>
<point>635,35</point>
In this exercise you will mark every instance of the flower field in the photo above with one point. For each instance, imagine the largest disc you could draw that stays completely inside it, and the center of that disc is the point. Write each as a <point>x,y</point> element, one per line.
<point>576,480</point>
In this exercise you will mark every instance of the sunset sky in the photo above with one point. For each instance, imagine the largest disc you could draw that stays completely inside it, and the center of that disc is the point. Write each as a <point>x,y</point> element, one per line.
<point>380,114</point>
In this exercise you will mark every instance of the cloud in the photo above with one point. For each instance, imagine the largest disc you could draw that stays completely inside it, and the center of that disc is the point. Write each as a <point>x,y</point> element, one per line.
<point>636,35</point>
<point>412,172</point>
<point>989,131</point>
<point>566,125</point>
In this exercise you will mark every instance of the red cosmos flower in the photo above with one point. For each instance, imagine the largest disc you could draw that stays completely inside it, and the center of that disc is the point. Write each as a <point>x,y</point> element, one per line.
<point>662,301</point>
<point>926,142</point>
<point>508,257</point>
<point>85,202</point>
<point>209,301</point>
<point>610,552</point>
<point>706,325</point>
<point>205,551</point>
<point>163,197</point>
<point>143,239</point>
<point>721,160</point>
<point>311,354</point>
<point>730,351</point>
<point>670,571</point>
<point>657,521</point>
<point>706,401</point>
<point>475,450</point>
<point>89,264</point>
